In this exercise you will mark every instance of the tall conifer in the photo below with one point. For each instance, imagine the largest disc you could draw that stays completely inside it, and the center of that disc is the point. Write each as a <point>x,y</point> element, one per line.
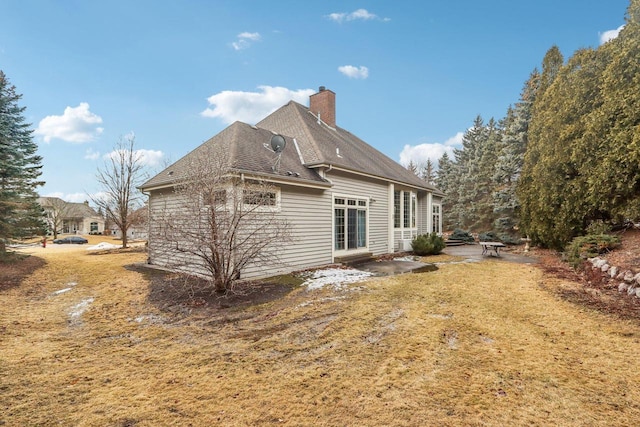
<point>20,167</point>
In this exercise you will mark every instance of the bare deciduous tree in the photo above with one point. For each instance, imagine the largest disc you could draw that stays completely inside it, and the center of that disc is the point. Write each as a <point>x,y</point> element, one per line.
<point>215,223</point>
<point>119,178</point>
<point>57,210</point>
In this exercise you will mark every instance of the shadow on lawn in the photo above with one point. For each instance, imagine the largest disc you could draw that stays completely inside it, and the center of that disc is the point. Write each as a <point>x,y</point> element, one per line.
<point>181,294</point>
<point>15,267</point>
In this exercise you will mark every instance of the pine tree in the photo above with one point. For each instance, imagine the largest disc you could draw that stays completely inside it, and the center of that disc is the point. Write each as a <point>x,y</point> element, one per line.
<point>471,201</point>
<point>20,167</point>
<point>445,177</point>
<point>427,172</point>
<point>512,148</point>
<point>412,167</point>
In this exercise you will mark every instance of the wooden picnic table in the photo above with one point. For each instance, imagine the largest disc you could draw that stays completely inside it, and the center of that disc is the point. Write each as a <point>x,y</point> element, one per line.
<point>489,247</point>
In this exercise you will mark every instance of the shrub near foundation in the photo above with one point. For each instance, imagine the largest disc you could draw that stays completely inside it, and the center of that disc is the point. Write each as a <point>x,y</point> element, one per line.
<point>428,244</point>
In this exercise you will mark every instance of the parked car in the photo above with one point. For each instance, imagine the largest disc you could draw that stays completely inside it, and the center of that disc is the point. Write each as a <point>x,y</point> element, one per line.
<point>72,239</point>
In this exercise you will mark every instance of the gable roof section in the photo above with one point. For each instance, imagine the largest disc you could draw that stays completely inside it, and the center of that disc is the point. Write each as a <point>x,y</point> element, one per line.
<point>248,150</point>
<point>324,145</point>
<point>71,209</point>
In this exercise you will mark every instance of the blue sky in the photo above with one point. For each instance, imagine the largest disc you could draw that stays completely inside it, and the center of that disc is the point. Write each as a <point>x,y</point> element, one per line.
<point>409,76</point>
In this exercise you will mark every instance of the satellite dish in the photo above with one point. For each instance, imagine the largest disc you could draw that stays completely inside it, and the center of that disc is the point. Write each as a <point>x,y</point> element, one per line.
<point>278,143</point>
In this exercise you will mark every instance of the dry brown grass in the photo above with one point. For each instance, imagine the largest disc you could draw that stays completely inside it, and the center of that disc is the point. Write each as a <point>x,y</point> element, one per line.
<point>471,344</point>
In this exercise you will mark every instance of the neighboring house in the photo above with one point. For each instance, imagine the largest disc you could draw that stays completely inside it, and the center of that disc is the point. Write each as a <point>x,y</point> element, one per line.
<point>138,230</point>
<point>341,197</point>
<point>71,218</point>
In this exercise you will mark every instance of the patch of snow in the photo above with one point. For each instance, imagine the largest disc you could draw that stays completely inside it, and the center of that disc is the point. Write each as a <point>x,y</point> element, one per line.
<point>335,277</point>
<point>406,259</point>
<point>78,309</point>
<point>62,291</point>
<point>149,318</point>
<point>103,246</point>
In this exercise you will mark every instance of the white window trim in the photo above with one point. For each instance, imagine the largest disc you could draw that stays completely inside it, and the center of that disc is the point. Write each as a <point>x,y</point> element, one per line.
<point>439,225</point>
<point>342,252</point>
<point>413,217</point>
<point>257,208</point>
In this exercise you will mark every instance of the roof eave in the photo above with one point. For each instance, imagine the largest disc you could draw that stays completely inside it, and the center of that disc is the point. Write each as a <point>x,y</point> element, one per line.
<point>370,175</point>
<point>300,182</point>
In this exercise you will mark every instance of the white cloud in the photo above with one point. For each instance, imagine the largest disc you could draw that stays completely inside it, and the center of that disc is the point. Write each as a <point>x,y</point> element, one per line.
<point>145,157</point>
<point>610,34</point>
<point>455,140</point>
<point>251,107</point>
<point>150,157</point>
<point>433,151</point>
<point>352,72</point>
<point>360,14</point>
<point>76,125</point>
<point>245,39</point>
<point>91,155</point>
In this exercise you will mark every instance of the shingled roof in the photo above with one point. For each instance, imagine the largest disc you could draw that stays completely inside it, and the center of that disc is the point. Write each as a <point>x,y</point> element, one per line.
<point>325,145</point>
<point>311,143</point>
<point>246,149</point>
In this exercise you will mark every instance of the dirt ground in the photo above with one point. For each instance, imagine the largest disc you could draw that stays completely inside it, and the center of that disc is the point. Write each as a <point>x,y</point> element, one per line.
<point>587,287</point>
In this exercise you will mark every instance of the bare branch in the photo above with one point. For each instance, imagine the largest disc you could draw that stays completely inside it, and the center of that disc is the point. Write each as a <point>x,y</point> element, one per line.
<point>215,224</point>
<point>119,178</point>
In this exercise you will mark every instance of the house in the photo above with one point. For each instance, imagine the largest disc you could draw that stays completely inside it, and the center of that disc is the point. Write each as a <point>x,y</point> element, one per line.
<point>342,197</point>
<point>71,218</point>
<point>138,227</point>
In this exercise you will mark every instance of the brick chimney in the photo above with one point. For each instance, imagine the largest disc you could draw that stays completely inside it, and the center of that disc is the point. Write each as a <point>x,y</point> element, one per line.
<point>323,104</point>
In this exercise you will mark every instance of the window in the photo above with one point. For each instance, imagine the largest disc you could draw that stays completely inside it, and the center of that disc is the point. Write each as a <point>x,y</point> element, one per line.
<point>435,220</point>
<point>405,207</point>
<point>414,204</point>
<point>396,209</point>
<point>259,198</point>
<point>339,228</point>
<point>94,227</point>
<point>350,223</point>
<point>217,197</point>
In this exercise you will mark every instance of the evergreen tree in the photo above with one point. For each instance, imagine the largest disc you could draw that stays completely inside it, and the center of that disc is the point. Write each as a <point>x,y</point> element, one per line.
<point>614,170</point>
<point>512,148</point>
<point>427,172</point>
<point>412,167</point>
<point>20,214</point>
<point>551,64</point>
<point>583,159</point>
<point>445,177</point>
<point>471,202</point>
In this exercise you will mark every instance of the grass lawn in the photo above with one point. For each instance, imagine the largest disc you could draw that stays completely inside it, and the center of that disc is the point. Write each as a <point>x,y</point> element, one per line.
<point>490,343</point>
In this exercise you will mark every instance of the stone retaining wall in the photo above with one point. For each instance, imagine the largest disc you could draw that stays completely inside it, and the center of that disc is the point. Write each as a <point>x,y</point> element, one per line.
<point>627,281</point>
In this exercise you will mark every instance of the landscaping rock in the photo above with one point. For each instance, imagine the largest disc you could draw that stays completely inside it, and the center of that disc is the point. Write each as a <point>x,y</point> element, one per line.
<point>605,268</point>
<point>599,262</point>
<point>613,271</point>
<point>628,276</point>
<point>622,287</point>
<point>631,290</point>
<point>638,292</point>
<point>636,278</point>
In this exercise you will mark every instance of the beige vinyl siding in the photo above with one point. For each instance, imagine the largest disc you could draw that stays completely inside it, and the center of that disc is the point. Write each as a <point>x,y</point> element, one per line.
<point>424,213</point>
<point>377,192</point>
<point>308,213</point>
<point>160,252</point>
